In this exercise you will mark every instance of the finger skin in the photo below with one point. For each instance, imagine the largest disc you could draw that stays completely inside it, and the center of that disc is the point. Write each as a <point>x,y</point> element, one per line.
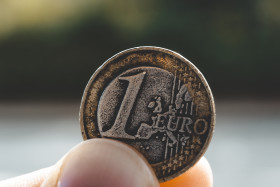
<point>98,162</point>
<point>200,175</point>
<point>103,163</point>
<point>33,179</point>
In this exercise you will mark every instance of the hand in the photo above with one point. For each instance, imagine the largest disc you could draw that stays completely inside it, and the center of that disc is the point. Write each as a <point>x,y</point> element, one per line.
<point>108,163</point>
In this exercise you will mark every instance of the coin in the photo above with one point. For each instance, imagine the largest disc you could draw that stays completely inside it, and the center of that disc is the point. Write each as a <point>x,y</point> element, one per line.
<point>156,101</point>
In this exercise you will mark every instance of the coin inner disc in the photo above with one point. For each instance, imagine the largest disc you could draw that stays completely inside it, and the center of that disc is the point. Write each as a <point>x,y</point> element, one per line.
<point>150,109</point>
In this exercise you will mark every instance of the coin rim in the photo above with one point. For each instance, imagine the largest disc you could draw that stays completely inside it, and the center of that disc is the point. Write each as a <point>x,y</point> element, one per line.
<point>183,59</point>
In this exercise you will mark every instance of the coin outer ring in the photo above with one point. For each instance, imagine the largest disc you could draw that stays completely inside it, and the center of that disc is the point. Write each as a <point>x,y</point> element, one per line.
<point>184,60</point>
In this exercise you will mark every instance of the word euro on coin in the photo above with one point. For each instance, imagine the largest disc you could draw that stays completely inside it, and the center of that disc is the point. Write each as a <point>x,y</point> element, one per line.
<point>156,101</point>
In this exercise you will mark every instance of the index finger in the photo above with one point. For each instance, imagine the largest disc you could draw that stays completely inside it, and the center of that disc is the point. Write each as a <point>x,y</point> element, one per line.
<point>200,175</point>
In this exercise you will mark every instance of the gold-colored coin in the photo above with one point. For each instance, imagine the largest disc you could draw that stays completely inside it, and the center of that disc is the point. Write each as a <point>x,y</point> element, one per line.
<point>156,101</point>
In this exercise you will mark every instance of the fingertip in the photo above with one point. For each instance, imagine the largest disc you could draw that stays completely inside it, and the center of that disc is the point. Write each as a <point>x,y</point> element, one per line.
<point>200,175</point>
<point>104,162</point>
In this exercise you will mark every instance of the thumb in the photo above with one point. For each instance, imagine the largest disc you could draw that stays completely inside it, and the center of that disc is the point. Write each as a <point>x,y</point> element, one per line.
<point>102,163</point>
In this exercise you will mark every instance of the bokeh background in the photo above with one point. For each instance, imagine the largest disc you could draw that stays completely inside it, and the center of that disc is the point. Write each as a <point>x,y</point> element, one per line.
<point>49,49</point>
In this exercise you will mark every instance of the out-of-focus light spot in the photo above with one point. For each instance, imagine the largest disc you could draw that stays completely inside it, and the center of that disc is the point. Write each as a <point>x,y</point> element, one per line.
<point>37,14</point>
<point>269,11</point>
<point>16,16</point>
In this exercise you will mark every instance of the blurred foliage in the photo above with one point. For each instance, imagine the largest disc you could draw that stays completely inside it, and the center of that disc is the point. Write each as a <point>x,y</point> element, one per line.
<point>50,48</point>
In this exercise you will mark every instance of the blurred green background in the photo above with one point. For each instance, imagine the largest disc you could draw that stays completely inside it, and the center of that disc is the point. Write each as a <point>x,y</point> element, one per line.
<point>49,49</point>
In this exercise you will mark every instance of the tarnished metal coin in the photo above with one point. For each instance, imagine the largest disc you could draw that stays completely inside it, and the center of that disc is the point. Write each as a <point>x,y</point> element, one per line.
<point>154,100</point>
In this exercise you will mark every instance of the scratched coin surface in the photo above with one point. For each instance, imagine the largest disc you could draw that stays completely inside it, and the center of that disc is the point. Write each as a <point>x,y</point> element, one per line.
<point>156,101</point>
